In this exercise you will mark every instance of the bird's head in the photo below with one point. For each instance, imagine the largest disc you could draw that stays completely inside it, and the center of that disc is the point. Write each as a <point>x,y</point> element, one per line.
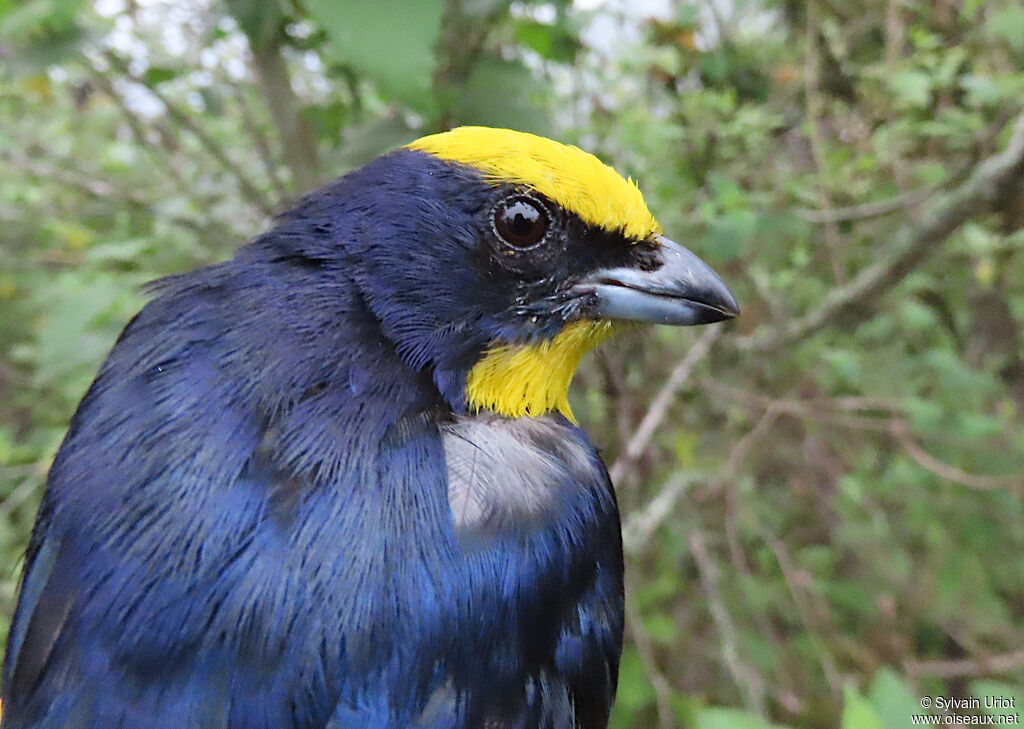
<point>498,258</point>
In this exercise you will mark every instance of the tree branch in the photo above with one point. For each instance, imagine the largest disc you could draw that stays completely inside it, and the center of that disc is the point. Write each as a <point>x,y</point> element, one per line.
<point>867,210</point>
<point>967,667</point>
<point>747,679</point>
<point>89,184</point>
<point>814,112</point>
<point>645,649</point>
<point>297,141</point>
<point>639,526</point>
<point>659,405</point>
<point>259,139</point>
<point>944,215</point>
<point>901,432</point>
<point>248,190</point>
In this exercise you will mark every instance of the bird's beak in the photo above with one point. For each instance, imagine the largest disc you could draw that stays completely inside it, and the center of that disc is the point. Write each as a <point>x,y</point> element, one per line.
<point>682,291</point>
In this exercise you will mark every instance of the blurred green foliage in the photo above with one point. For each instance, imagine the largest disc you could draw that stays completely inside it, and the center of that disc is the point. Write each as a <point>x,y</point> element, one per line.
<point>825,526</point>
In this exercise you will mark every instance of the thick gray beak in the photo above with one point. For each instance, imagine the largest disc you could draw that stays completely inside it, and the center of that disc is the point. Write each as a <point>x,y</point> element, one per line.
<point>682,291</point>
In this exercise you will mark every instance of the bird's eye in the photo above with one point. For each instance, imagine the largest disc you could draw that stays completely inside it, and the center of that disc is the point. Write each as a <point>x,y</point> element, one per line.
<point>520,221</point>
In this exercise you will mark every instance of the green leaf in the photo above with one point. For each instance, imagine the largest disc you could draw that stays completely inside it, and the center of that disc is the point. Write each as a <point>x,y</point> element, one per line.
<point>912,88</point>
<point>729,235</point>
<point>727,193</point>
<point>159,74</point>
<point>725,718</point>
<point>1007,24</point>
<point>367,140</point>
<point>635,690</point>
<point>662,629</point>
<point>504,94</point>
<point>858,713</point>
<point>981,91</point>
<point>926,415</point>
<point>553,42</point>
<point>41,50</point>
<point>688,14</point>
<point>892,700</point>
<point>28,18</point>
<point>999,699</point>
<point>390,41</point>
<point>260,20</point>
<point>41,34</point>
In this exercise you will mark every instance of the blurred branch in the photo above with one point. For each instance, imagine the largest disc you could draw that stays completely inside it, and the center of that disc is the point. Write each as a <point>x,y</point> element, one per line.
<point>749,682</point>
<point>658,408</point>
<point>464,35</point>
<point>259,140</point>
<point>833,412</point>
<point>946,213</point>
<point>297,141</point>
<point>20,494</point>
<point>139,132</point>
<point>645,649</point>
<point>726,482</point>
<point>815,108</point>
<point>868,210</point>
<point>213,148</point>
<point>895,41</point>
<point>639,526</point>
<point>965,668</point>
<point>795,579</point>
<point>836,412</point>
<point>90,184</point>
<point>901,432</point>
<point>797,582</point>
<point>620,399</point>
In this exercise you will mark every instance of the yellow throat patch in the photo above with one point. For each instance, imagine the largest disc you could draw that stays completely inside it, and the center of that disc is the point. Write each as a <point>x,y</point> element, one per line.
<point>531,380</point>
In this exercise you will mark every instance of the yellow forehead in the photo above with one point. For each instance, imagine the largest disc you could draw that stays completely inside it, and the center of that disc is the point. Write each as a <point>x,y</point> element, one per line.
<point>568,176</point>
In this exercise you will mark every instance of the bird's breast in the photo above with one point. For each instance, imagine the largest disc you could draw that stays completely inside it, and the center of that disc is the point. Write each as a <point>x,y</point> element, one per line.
<point>511,474</point>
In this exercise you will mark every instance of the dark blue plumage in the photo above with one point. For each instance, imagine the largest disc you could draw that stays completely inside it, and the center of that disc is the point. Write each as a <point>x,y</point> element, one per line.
<point>248,524</point>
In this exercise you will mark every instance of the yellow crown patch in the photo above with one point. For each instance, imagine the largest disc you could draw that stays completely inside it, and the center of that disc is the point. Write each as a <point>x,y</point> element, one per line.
<point>566,175</point>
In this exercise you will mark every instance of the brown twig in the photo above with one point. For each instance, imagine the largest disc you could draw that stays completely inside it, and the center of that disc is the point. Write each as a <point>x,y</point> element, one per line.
<point>212,147</point>
<point>795,583</point>
<point>817,410</point>
<point>867,210</point>
<point>901,432</point>
<point>645,649</point>
<point>943,216</point>
<point>727,482</point>
<point>298,143</point>
<point>894,424</point>
<point>619,398</point>
<point>966,667</point>
<point>658,408</point>
<point>815,105</point>
<point>260,141</point>
<point>640,526</point>
<point>749,682</point>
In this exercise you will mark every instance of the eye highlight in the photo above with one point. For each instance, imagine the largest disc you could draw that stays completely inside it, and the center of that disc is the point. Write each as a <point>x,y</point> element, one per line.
<point>521,221</point>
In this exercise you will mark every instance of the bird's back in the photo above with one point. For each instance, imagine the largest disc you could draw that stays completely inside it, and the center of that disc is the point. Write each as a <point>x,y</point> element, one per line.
<point>236,534</point>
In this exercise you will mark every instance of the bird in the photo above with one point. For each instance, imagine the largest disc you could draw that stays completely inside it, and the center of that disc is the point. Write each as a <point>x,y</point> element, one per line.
<point>335,481</point>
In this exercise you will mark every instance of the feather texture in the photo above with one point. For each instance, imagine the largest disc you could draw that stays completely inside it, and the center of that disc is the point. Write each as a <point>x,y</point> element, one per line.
<point>249,523</point>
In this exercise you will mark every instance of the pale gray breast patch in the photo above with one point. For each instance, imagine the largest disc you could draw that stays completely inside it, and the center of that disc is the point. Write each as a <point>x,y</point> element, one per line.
<point>504,471</point>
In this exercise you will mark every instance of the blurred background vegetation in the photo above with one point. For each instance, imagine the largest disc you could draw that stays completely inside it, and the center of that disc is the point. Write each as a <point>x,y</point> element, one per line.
<point>822,502</point>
